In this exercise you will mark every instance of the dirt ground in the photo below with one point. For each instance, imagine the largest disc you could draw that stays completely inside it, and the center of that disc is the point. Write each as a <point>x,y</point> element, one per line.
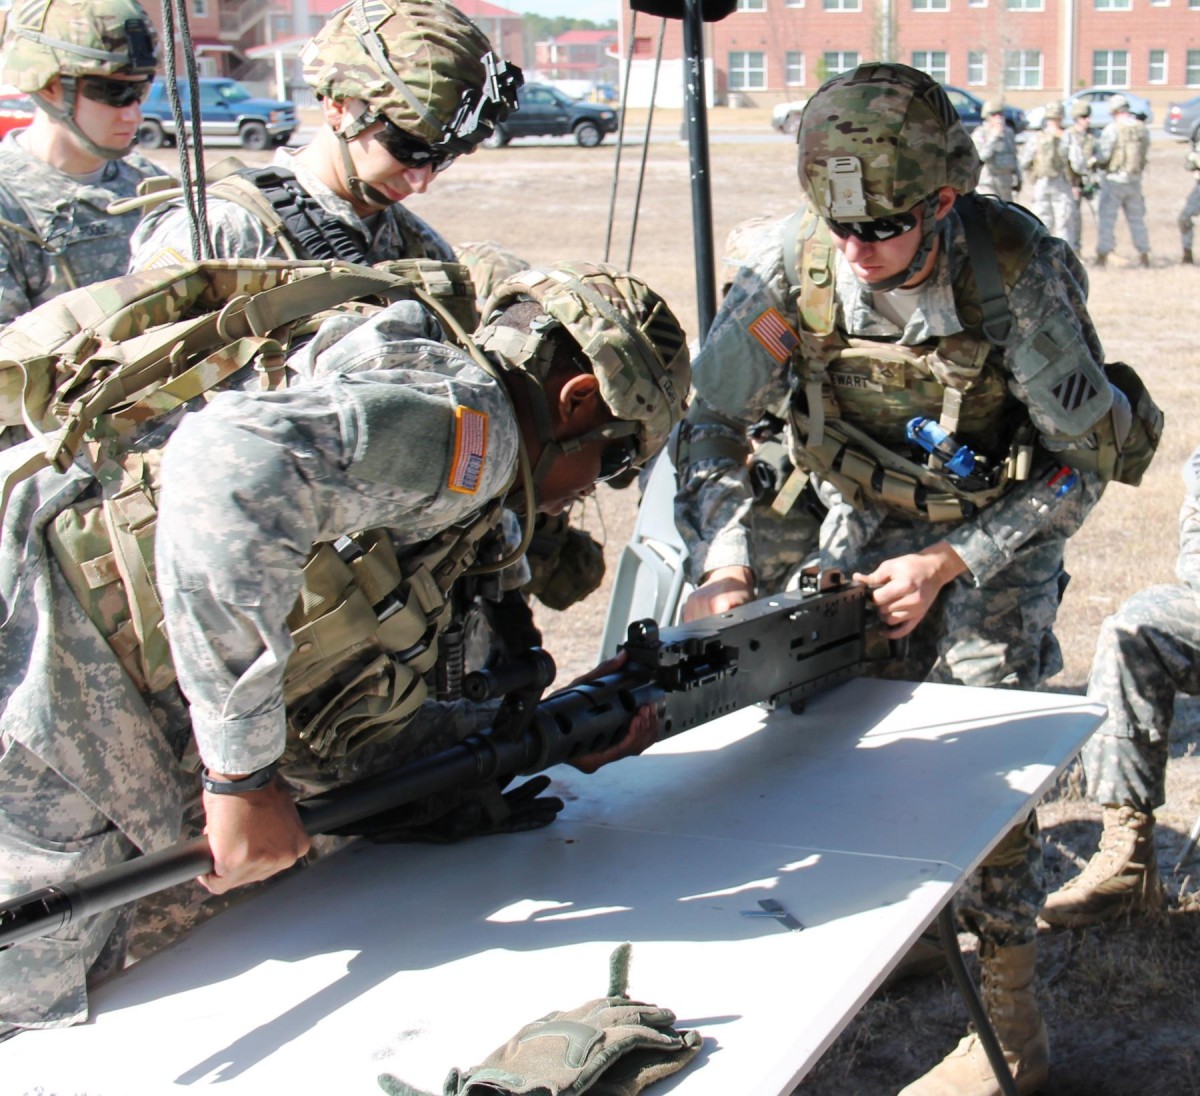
<point>1122,1002</point>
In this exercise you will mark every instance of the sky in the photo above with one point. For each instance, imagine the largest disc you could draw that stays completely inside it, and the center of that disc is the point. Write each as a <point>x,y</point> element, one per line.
<point>596,10</point>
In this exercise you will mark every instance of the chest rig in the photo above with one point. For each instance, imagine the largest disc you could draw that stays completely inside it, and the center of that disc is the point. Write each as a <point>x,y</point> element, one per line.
<point>853,397</point>
<point>102,365</point>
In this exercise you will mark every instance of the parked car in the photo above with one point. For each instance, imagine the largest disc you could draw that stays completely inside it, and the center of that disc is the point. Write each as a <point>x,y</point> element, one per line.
<point>970,111</point>
<point>226,110</point>
<point>544,111</point>
<point>1183,119</point>
<point>785,117</point>
<point>16,110</point>
<point>1098,98</point>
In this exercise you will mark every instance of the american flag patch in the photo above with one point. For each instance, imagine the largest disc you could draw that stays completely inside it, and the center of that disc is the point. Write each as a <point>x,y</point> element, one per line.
<point>775,334</point>
<point>470,447</point>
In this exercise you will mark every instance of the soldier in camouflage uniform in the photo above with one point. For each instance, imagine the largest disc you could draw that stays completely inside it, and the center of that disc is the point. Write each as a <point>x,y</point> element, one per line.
<point>88,65</point>
<point>406,86</point>
<point>384,426</point>
<point>1148,652</point>
<point>1081,156</point>
<point>1191,207</point>
<point>1045,160</point>
<point>997,148</point>
<point>1121,152</point>
<point>883,332</point>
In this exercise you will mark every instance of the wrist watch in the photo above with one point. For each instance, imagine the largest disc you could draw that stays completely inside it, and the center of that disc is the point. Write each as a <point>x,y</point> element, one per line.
<point>252,782</point>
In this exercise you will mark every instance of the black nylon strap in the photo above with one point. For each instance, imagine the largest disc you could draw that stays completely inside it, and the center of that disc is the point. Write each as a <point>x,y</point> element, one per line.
<point>993,298</point>
<point>315,232</point>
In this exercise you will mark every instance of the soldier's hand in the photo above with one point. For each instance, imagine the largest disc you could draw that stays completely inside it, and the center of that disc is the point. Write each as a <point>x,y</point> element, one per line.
<point>723,589</point>
<point>641,735</point>
<point>252,836</point>
<point>905,587</point>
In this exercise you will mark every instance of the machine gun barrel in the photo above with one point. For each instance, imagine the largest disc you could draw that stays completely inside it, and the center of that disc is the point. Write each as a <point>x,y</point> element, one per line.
<point>776,651</point>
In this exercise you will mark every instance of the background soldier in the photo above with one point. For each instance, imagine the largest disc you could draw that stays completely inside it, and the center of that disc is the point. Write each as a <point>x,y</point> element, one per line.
<point>1191,207</point>
<point>1047,163</point>
<point>866,351</point>
<point>384,427</point>
<point>997,148</point>
<point>1147,653</point>
<point>402,95</point>
<point>1121,152</point>
<point>88,65</point>
<point>1081,154</point>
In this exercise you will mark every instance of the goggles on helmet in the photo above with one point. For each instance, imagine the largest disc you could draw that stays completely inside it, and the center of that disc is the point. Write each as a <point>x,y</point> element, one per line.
<point>114,93</point>
<point>480,109</point>
<point>412,151</point>
<point>877,231</point>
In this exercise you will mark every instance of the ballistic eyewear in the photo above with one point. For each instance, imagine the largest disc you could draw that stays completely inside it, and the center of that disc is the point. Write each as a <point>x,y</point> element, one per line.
<point>411,151</point>
<point>114,93</point>
<point>875,232</point>
<point>616,457</point>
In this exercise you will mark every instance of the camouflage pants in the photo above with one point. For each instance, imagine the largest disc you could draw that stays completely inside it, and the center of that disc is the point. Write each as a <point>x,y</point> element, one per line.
<point>782,544</point>
<point>1148,651</point>
<point>996,635</point>
<point>1054,204</point>
<point>50,832</point>
<point>1115,197</point>
<point>1187,215</point>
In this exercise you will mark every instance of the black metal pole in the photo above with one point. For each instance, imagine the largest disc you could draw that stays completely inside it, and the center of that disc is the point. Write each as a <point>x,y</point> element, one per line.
<point>697,136</point>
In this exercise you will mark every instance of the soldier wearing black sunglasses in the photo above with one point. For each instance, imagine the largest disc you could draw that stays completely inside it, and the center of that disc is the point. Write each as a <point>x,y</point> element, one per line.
<point>87,64</point>
<point>405,87</point>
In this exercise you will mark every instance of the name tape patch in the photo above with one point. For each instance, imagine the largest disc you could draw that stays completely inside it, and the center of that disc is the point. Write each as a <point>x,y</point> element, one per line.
<point>470,449</point>
<point>775,335</point>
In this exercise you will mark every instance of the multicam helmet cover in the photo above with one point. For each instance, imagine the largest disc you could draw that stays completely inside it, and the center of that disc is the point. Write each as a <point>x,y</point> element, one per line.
<point>1081,108</point>
<point>489,263</point>
<point>877,140</point>
<point>1118,103</point>
<point>636,347</point>
<point>421,64</point>
<point>1054,110</point>
<point>48,38</point>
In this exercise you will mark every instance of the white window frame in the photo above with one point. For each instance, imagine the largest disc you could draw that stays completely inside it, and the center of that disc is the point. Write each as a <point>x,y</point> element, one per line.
<point>977,58</point>
<point>841,5</point>
<point>793,3</point>
<point>1023,67</point>
<point>1104,75</point>
<point>789,66</point>
<point>834,70</point>
<point>745,70</point>
<point>200,8</point>
<point>1024,5</point>
<point>930,5</point>
<point>1192,72</point>
<point>940,73</point>
<point>977,3</point>
<point>1161,65</point>
<point>751,5</point>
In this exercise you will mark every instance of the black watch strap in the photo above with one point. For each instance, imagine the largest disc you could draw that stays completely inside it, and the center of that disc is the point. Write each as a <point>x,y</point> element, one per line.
<point>251,783</point>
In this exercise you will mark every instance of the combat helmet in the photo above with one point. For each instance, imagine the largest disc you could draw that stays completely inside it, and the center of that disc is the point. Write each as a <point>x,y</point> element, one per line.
<point>71,39</point>
<point>1054,110</point>
<point>1081,108</point>
<point>1118,103</point>
<point>879,141</point>
<point>489,263</point>
<point>635,346</point>
<point>421,65</point>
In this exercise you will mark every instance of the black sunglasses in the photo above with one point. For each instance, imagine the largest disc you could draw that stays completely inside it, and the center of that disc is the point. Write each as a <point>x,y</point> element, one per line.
<point>411,151</point>
<point>114,93</point>
<point>617,457</point>
<point>875,232</point>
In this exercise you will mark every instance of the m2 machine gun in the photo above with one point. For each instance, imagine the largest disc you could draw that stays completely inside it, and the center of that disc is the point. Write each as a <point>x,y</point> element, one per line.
<point>776,651</point>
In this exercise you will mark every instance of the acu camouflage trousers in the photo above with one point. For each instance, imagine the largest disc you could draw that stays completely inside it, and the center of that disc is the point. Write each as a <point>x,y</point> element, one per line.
<point>1115,197</point>
<point>1148,651</point>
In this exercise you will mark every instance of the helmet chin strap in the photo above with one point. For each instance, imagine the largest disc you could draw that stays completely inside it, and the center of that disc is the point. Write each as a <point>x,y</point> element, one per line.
<point>66,115</point>
<point>929,230</point>
<point>361,190</point>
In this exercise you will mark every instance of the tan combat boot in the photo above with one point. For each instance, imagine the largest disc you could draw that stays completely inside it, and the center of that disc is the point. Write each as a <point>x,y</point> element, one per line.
<point>1144,259</point>
<point>1187,257</point>
<point>1121,878</point>
<point>1101,258</point>
<point>1008,998</point>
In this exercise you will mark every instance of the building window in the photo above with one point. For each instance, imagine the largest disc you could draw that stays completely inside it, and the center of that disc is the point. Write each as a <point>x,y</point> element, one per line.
<point>1110,68</point>
<point>793,62</point>
<point>747,70</point>
<point>852,5</point>
<point>281,25</point>
<point>931,5</point>
<point>837,61</point>
<point>200,8</point>
<point>793,3</point>
<point>1156,70</point>
<point>932,61</point>
<point>1193,68</point>
<point>1023,68</point>
<point>1025,5</point>
<point>1160,3</point>
<point>976,68</point>
<point>1114,5</point>
<point>977,3</point>
<point>751,5</point>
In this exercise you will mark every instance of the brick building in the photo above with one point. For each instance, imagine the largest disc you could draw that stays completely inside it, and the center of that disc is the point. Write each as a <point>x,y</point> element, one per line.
<point>1031,50</point>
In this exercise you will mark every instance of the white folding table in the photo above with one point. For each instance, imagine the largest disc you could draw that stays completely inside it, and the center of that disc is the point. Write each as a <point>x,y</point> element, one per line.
<point>860,817</point>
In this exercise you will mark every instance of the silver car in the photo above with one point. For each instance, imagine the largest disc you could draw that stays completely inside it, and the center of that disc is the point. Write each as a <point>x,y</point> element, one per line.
<point>1098,99</point>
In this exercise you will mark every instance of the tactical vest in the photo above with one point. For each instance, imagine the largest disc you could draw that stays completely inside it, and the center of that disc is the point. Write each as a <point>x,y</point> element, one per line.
<point>1049,158</point>
<point>854,396</point>
<point>1129,150</point>
<point>103,365</point>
